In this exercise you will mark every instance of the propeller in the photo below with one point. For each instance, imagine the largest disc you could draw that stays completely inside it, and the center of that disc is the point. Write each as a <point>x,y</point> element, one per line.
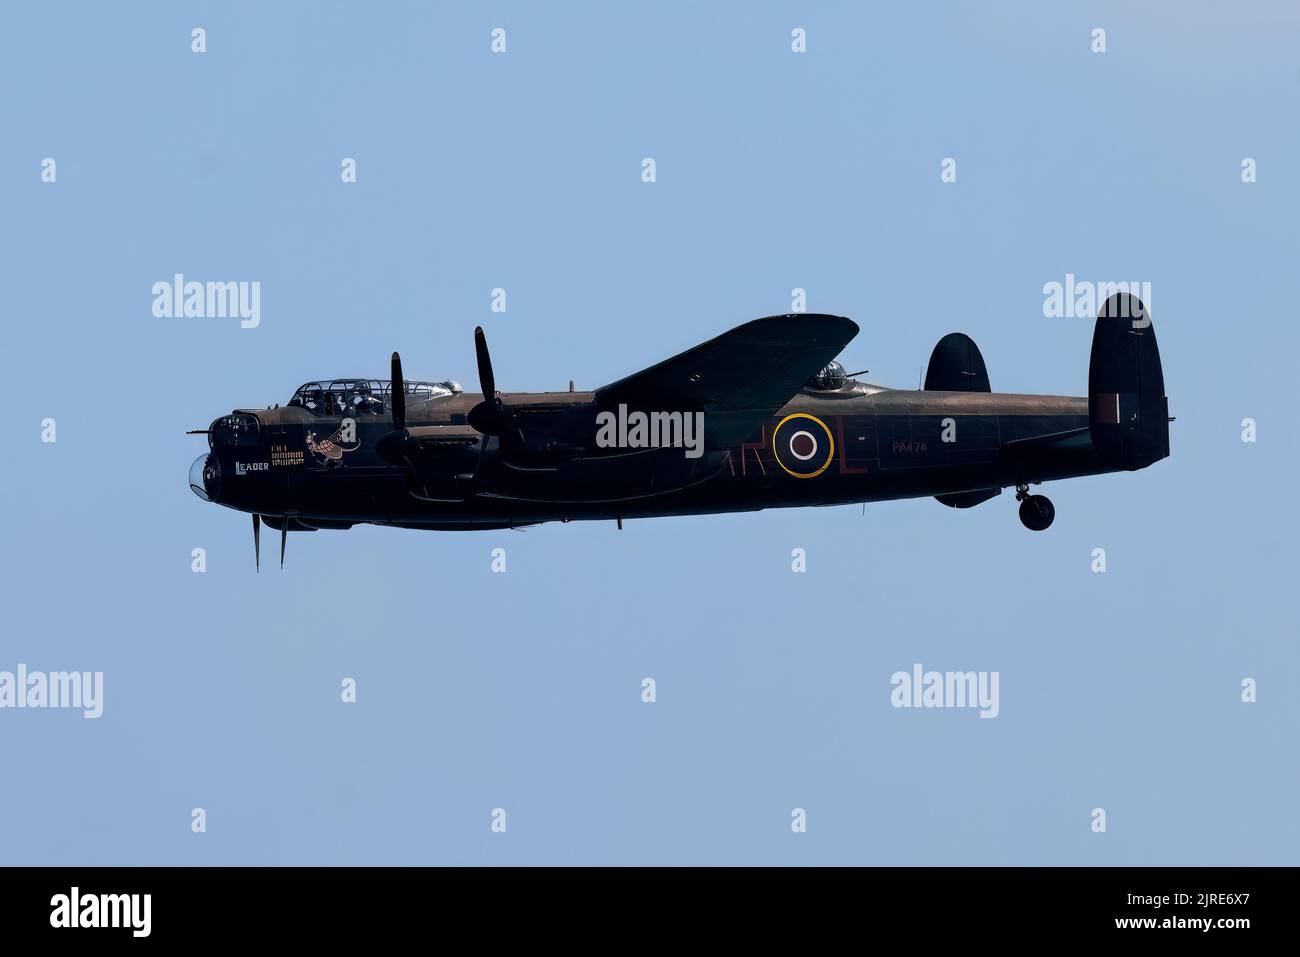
<point>395,445</point>
<point>492,416</point>
<point>257,539</point>
<point>486,379</point>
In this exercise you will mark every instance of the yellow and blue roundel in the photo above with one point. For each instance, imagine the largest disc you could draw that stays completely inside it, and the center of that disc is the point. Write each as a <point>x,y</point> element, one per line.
<point>802,445</point>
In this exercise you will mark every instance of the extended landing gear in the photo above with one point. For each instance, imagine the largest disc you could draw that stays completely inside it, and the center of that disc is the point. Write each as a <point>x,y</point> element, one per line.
<point>1036,511</point>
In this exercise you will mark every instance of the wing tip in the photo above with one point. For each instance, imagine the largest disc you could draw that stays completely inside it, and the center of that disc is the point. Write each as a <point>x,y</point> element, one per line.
<point>821,320</point>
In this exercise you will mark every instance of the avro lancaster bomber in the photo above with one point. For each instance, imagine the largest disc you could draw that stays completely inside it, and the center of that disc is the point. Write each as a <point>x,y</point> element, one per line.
<point>760,417</point>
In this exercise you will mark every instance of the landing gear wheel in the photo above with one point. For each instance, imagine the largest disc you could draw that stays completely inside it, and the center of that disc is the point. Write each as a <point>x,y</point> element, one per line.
<point>1037,512</point>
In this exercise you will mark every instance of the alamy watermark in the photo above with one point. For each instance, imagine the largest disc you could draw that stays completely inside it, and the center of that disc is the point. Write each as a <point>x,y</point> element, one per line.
<point>946,689</point>
<point>651,430</point>
<point>129,911</point>
<point>179,299</point>
<point>58,689</point>
<point>1080,299</point>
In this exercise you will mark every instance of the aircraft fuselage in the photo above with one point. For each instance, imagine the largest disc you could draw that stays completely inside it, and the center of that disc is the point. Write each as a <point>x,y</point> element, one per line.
<point>819,449</point>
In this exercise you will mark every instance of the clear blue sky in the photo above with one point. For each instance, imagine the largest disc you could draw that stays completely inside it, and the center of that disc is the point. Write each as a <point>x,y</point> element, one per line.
<point>522,691</point>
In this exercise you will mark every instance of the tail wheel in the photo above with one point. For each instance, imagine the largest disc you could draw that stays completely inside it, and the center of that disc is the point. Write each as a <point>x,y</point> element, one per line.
<point>1037,512</point>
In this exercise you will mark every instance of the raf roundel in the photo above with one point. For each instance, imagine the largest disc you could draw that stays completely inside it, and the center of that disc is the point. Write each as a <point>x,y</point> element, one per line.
<point>802,445</point>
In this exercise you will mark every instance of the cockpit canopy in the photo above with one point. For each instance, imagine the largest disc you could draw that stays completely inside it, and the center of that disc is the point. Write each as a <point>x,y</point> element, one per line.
<point>363,396</point>
<point>831,377</point>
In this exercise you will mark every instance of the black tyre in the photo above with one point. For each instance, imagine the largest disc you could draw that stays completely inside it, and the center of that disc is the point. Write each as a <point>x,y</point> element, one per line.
<point>1037,513</point>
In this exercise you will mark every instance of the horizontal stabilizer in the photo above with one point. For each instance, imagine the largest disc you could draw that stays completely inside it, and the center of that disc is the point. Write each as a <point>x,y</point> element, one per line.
<point>1069,439</point>
<point>956,366</point>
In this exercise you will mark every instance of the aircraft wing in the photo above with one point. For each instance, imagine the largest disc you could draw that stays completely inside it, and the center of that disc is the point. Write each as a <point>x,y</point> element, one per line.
<point>738,379</point>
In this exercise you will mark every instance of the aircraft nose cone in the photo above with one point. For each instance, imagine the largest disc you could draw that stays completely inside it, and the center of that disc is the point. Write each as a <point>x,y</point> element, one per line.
<point>205,477</point>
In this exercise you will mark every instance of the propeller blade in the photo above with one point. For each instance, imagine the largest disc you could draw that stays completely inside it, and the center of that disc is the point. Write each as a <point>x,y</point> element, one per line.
<point>491,416</point>
<point>257,540</point>
<point>399,394</point>
<point>487,382</point>
<point>284,535</point>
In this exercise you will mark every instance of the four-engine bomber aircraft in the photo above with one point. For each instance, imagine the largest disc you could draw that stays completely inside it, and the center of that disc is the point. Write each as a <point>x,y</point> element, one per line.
<point>760,417</point>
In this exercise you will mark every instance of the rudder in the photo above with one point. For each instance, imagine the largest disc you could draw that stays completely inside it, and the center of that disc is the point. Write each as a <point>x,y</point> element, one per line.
<point>1128,412</point>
